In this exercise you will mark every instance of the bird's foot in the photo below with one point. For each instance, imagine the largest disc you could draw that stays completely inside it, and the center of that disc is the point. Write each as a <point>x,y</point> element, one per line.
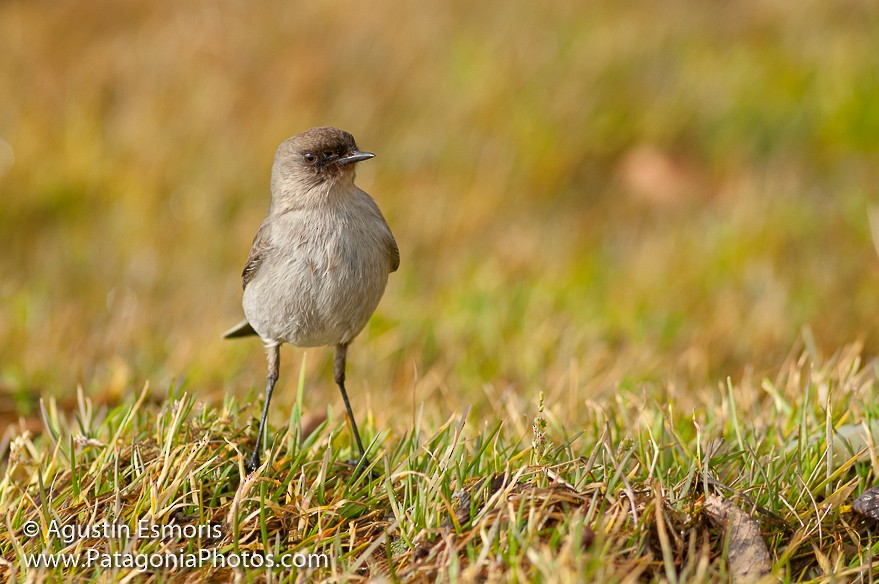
<point>360,466</point>
<point>252,463</point>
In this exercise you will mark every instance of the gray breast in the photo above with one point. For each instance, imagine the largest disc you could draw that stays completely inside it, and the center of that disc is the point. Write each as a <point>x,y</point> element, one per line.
<point>322,280</point>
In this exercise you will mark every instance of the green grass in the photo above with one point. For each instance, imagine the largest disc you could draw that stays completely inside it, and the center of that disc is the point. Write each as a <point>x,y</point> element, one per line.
<point>522,498</point>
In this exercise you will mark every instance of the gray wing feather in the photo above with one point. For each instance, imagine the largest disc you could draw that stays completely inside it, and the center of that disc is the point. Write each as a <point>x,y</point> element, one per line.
<point>257,252</point>
<point>394,253</point>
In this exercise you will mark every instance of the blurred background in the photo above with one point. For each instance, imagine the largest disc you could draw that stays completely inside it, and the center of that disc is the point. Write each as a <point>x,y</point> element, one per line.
<point>586,196</point>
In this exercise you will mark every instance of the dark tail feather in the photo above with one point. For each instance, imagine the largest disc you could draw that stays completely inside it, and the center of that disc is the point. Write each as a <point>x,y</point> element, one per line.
<point>242,329</point>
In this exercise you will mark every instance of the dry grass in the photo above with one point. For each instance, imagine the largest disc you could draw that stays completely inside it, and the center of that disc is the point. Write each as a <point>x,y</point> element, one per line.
<point>620,499</point>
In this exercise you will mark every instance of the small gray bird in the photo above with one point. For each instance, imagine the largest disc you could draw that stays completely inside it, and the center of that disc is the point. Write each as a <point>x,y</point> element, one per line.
<point>320,260</point>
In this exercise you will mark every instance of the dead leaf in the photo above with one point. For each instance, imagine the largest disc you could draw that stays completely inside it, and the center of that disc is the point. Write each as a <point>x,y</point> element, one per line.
<point>868,503</point>
<point>654,176</point>
<point>748,556</point>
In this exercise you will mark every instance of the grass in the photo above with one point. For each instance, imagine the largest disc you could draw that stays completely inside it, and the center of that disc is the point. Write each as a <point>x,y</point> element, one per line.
<point>619,497</point>
<point>656,220</point>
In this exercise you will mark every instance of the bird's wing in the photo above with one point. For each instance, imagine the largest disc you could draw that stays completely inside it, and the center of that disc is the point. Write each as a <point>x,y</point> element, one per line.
<point>393,249</point>
<point>394,253</point>
<point>257,252</point>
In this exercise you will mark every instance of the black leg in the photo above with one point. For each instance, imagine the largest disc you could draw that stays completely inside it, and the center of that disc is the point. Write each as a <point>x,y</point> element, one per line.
<point>273,353</point>
<point>339,372</point>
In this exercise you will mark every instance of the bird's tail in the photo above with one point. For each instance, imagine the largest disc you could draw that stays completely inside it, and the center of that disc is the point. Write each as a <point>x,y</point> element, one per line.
<point>242,329</point>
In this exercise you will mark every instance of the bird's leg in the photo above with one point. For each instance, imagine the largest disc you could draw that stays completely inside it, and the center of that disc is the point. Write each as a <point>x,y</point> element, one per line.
<point>339,373</point>
<point>273,353</point>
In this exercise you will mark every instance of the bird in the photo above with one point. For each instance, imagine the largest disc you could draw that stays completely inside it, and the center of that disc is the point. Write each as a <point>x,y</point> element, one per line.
<point>319,262</point>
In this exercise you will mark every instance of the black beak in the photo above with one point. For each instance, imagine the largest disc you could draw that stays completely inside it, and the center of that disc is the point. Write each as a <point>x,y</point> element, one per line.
<point>354,156</point>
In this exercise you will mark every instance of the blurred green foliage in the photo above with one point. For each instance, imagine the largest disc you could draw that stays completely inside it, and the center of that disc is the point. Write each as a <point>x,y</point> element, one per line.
<point>584,194</point>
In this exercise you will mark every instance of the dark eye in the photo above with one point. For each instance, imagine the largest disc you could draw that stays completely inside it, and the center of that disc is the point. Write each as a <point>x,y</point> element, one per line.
<point>309,157</point>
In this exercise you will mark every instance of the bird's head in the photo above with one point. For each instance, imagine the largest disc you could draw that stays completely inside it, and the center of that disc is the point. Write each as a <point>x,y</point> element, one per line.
<point>319,157</point>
